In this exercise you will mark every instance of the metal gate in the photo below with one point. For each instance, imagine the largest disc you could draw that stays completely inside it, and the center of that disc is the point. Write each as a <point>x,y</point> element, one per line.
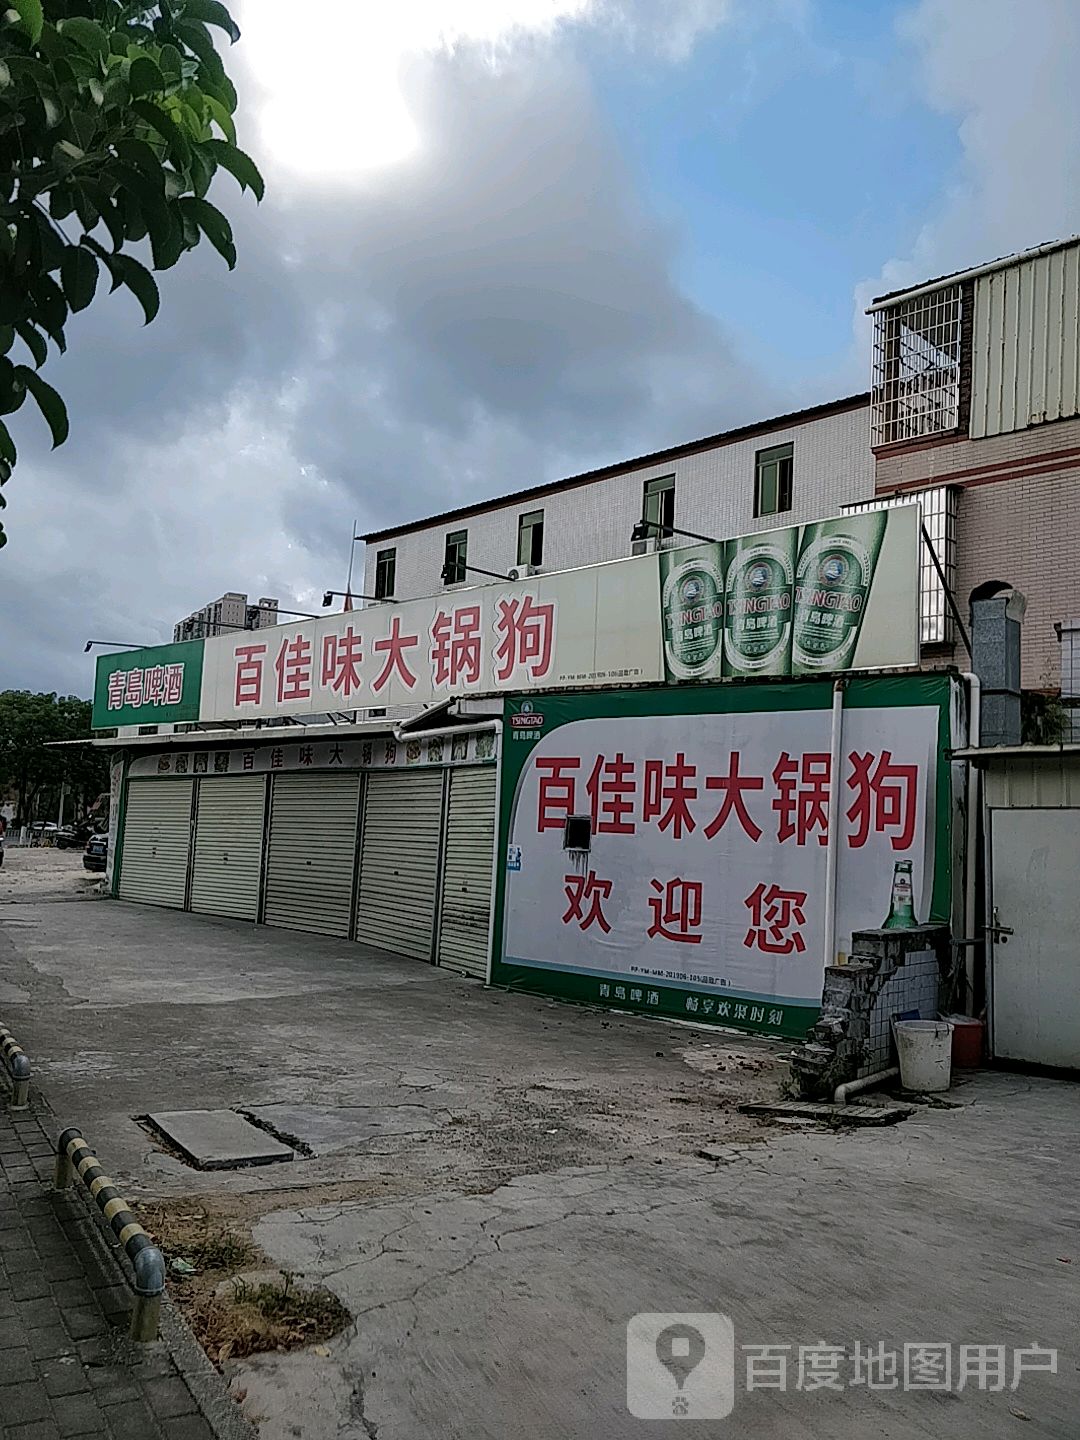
<point>157,842</point>
<point>465,913</point>
<point>1035,1011</point>
<point>399,862</point>
<point>311,860</point>
<point>227,868</point>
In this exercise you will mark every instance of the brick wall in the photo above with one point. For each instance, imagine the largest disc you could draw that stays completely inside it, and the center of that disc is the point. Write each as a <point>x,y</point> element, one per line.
<point>714,495</point>
<point>1018,521</point>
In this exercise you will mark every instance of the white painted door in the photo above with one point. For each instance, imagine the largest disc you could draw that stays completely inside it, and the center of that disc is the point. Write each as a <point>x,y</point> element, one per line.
<point>1035,1014</point>
<point>157,842</point>
<point>229,818</point>
<point>465,914</point>
<point>399,863</point>
<point>312,854</point>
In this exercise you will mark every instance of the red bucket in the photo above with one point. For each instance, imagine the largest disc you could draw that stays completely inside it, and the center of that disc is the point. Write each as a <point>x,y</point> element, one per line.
<point>967,1042</point>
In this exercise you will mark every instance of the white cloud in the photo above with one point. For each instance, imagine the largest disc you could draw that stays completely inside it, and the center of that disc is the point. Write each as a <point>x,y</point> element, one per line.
<point>1007,72</point>
<point>336,107</point>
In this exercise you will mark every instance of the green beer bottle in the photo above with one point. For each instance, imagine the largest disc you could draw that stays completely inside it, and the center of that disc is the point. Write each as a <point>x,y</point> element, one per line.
<point>832,582</point>
<point>757,622</point>
<point>901,914</point>
<point>692,603</point>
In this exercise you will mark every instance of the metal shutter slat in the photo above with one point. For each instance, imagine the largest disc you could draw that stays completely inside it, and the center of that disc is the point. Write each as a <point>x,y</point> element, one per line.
<point>399,863</point>
<point>228,847</point>
<point>157,842</point>
<point>464,927</point>
<point>311,857</point>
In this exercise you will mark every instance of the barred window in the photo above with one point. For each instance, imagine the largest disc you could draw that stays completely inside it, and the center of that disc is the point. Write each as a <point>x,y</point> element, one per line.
<point>939,518</point>
<point>916,390</point>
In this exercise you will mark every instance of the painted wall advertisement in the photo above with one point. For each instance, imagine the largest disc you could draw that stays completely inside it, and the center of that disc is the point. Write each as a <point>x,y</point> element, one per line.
<point>832,596</point>
<point>702,894</point>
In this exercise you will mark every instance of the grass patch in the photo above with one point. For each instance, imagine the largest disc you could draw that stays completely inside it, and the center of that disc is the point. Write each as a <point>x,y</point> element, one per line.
<point>231,1316</point>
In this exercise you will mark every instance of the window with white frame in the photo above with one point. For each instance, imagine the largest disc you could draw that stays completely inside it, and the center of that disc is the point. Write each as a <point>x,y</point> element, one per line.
<point>916,386</point>
<point>939,519</point>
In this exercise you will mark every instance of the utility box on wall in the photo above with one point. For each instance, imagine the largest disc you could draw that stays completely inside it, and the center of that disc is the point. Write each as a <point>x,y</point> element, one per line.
<point>703,893</point>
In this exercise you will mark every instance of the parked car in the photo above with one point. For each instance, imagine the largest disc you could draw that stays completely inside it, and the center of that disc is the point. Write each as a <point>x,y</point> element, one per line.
<point>96,854</point>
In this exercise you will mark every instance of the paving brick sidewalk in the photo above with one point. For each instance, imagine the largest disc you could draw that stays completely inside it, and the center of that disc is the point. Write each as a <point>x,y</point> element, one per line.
<point>67,1367</point>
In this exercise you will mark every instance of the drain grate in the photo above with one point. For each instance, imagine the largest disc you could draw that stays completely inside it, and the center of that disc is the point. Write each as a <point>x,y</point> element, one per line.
<point>218,1139</point>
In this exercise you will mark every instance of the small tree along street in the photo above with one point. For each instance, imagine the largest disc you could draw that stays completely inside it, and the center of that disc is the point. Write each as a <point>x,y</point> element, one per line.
<point>30,772</point>
<point>114,119</point>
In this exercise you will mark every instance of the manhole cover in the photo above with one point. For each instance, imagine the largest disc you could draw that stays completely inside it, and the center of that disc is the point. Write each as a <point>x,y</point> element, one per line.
<point>218,1139</point>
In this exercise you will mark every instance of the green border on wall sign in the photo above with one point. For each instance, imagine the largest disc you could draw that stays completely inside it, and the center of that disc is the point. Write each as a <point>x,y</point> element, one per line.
<point>562,709</point>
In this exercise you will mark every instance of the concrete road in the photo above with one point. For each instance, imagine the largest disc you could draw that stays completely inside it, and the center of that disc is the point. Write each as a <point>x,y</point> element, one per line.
<point>498,1184</point>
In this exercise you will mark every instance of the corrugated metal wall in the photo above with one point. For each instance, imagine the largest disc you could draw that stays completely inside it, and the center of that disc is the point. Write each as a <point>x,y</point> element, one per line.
<point>1026,344</point>
<point>1037,782</point>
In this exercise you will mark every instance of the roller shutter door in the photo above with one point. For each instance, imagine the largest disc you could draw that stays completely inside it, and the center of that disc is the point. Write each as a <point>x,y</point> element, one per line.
<point>157,842</point>
<point>465,919</point>
<point>399,866</point>
<point>229,819</point>
<point>312,854</point>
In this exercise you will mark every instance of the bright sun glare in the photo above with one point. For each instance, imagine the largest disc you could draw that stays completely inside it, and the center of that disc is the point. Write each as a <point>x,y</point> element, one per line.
<point>333,106</point>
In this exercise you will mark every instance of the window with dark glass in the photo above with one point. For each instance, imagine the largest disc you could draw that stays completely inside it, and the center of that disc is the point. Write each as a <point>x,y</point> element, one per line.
<point>530,549</point>
<point>772,480</point>
<point>456,557</point>
<point>385,573</point>
<point>658,503</point>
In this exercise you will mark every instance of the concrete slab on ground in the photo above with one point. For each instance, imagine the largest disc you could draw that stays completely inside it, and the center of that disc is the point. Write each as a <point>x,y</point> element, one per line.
<point>218,1139</point>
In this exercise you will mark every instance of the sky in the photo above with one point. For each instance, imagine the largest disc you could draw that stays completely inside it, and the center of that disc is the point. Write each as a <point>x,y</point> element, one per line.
<point>509,240</point>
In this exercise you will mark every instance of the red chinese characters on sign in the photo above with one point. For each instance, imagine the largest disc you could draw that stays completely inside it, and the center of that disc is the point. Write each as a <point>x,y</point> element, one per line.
<point>526,633</point>
<point>455,647</point>
<point>154,685</point>
<point>293,670</point>
<point>249,674</point>
<point>342,656</point>
<point>174,684</point>
<point>394,646</point>
<point>802,796</point>
<point>676,910</point>
<point>732,785</point>
<point>885,799</point>
<point>556,791</point>
<point>775,915</point>
<point>117,689</point>
<point>668,791</point>
<point>611,788</point>
<point>134,693</point>
<point>582,889</point>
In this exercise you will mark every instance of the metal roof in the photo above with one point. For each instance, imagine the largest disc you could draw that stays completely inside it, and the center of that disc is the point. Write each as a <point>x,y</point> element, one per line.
<point>1005,262</point>
<point>658,457</point>
<point>985,753</point>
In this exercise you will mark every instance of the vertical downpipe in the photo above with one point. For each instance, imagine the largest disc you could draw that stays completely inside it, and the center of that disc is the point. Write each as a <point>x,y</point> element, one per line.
<point>498,859</point>
<point>972,838</point>
<point>832,850</point>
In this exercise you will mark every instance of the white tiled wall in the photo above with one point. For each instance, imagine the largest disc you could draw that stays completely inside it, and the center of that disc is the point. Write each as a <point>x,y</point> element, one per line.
<point>714,495</point>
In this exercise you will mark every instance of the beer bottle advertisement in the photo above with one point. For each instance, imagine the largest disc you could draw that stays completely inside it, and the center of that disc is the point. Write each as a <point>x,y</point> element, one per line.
<point>835,571</point>
<point>757,625</point>
<point>692,602</point>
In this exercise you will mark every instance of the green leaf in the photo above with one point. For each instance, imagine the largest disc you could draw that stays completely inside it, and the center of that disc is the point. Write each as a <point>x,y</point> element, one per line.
<point>197,38</point>
<point>167,128</point>
<point>171,63</point>
<point>140,282</point>
<point>7,445</point>
<point>7,338</point>
<point>35,343</point>
<point>86,34</point>
<point>31,16</point>
<point>12,389</point>
<point>79,277</point>
<point>48,402</point>
<point>222,116</point>
<point>144,158</point>
<point>212,13</point>
<point>5,75</point>
<point>145,78</point>
<point>239,165</point>
<point>214,226</point>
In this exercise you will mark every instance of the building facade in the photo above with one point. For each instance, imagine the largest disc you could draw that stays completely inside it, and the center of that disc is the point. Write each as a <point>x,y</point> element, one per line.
<point>783,471</point>
<point>976,406</point>
<point>230,611</point>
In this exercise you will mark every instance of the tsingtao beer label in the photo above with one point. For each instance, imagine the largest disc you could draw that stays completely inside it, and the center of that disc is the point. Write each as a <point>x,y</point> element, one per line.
<point>757,634</point>
<point>832,583</point>
<point>693,604</point>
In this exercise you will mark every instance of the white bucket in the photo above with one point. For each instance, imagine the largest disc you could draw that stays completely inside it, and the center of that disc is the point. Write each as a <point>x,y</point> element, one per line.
<point>925,1050</point>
